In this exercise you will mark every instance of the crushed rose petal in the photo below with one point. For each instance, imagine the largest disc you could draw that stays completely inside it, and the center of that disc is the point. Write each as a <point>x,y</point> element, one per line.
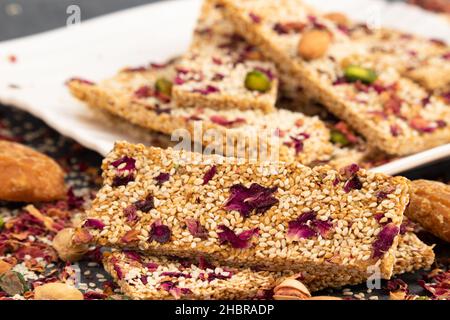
<point>246,200</point>
<point>237,241</point>
<point>384,240</point>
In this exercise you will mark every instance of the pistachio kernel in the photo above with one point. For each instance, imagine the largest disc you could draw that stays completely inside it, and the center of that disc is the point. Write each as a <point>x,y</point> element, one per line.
<point>338,137</point>
<point>356,73</point>
<point>164,86</point>
<point>257,81</point>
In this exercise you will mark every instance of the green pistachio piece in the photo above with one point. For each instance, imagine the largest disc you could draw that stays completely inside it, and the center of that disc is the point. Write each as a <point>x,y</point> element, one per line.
<point>338,137</point>
<point>2,223</point>
<point>257,81</point>
<point>164,86</point>
<point>356,73</point>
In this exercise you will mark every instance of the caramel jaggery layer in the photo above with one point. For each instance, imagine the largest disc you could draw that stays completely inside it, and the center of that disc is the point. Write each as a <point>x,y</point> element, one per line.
<point>343,215</point>
<point>430,207</point>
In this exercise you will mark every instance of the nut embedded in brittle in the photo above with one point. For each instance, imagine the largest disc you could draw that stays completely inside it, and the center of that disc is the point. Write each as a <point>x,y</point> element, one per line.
<point>67,250</point>
<point>291,289</point>
<point>314,44</point>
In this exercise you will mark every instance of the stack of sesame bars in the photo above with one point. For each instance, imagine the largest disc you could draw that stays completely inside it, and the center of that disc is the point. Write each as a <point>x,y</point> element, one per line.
<point>193,226</point>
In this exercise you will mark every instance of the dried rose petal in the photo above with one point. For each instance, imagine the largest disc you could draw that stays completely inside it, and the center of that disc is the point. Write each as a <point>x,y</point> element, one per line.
<point>254,17</point>
<point>118,271</point>
<point>240,241</point>
<point>145,205</point>
<point>167,285</point>
<point>209,175</point>
<point>94,224</point>
<point>298,142</point>
<point>441,123</point>
<point>406,226</point>
<point>226,123</point>
<point>344,128</point>
<point>144,92</point>
<point>160,233</point>
<point>208,90</point>
<point>298,231</point>
<point>204,264</point>
<point>196,229</point>
<point>446,97</point>
<point>384,240</point>
<point>130,213</point>
<point>396,130</point>
<point>163,177</point>
<point>133,255</point>
<point>307,226</point>
<point>130,236</point>
<point>393,105</point>
<point>439,288</point>
<point>322,227</point>
<point>122,181</point>
<point>246,200</point>
<point>176,274</point>
<point>124,164</point>
<point>151,266</point>
<point>353,184</point>
<point>218,77</point>
<point>73,201</point>
<point>350,170</point>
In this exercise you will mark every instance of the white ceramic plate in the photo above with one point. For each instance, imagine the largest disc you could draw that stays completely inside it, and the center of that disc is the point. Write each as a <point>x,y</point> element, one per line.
<point>98,48</point>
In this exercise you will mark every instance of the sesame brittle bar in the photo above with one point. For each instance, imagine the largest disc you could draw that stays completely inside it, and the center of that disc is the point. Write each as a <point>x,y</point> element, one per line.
<point>426,61</point>
<point>328,225</point>
<point>148,278</point>
<point>412,254</point>
<point>134,95</point>
<point>221,71</point>
<point>394,113</point>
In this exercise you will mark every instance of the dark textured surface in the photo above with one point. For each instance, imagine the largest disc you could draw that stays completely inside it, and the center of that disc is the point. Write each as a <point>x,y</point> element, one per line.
<point>42,15</point>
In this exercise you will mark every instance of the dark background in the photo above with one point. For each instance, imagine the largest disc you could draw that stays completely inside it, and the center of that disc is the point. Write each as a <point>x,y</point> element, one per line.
<point>24,17</point>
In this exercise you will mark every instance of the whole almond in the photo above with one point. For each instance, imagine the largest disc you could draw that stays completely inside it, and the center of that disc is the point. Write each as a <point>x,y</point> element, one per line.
<point>337,17</point>
<point>314,44</point>
<point>57,291</point>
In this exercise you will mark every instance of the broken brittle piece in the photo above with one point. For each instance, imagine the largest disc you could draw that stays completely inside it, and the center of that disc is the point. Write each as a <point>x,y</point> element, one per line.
<point>430,207</point>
